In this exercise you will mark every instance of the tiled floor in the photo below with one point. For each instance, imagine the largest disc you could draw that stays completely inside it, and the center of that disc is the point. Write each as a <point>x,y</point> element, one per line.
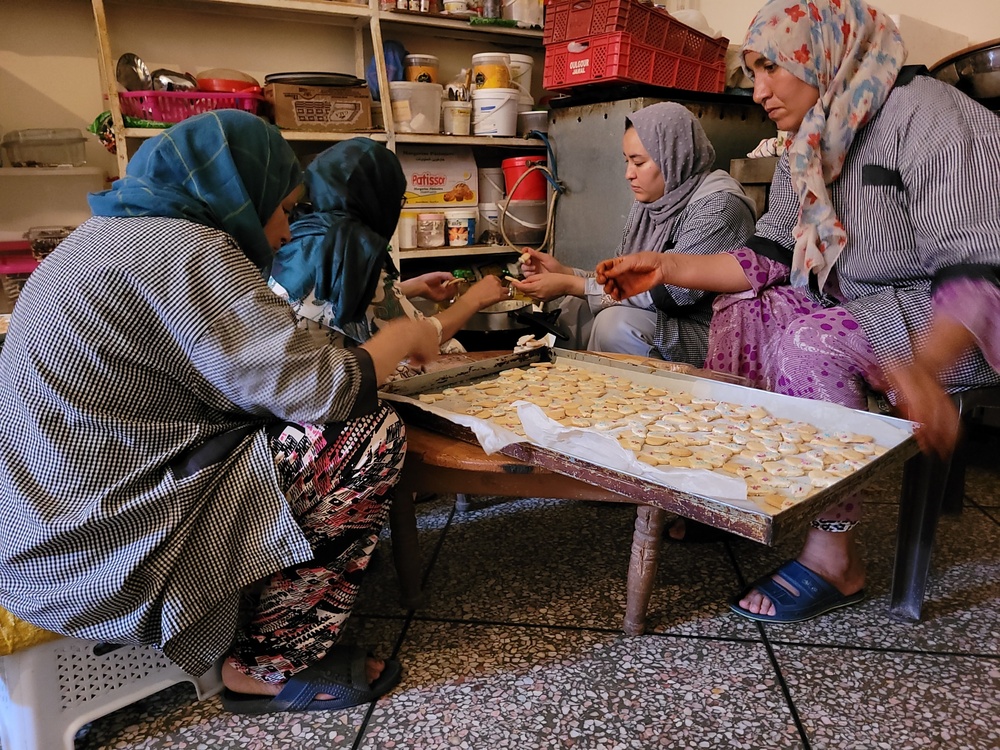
<point>518,646</point>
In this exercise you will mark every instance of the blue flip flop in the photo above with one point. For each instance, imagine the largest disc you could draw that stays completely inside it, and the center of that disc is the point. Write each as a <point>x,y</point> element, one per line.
<point>341,673</point>
<point>816,597</point>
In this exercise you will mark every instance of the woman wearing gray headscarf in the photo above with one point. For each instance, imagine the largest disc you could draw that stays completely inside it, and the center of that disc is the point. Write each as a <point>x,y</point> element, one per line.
<point>681,205</point>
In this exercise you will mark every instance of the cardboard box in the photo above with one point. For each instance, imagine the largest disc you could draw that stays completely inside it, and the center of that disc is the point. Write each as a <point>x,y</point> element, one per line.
<point>442,176</point>
<point>319,108</point>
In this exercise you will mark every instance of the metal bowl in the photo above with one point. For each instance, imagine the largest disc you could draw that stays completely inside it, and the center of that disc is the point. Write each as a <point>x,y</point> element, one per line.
<point>974,71</point>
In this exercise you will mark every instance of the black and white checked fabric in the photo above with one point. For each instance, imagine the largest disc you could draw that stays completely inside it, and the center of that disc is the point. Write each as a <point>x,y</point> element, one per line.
<point>135,342</point>
<point>919,194</point>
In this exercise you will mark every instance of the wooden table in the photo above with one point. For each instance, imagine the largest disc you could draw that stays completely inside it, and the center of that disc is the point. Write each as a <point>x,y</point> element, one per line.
<point>441,464</point>
<point>446,465</point>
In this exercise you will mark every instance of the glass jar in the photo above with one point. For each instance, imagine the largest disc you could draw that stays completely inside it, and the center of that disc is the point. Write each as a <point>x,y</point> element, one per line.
<point>430,230</point>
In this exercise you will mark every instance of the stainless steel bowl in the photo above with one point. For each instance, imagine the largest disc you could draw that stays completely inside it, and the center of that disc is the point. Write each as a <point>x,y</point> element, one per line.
<point>975,71</point>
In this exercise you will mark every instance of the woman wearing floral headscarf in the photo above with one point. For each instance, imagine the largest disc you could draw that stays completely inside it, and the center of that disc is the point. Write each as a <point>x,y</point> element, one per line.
<point>877,265</point>
<point>681,204</point>
<point>180,466</point>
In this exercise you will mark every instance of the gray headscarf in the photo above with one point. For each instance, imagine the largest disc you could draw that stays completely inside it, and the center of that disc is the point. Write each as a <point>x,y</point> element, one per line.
<point>676,142</point>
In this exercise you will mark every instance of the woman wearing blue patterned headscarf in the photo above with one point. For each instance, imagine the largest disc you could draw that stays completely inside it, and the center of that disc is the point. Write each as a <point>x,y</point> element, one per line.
<point>180,465</point>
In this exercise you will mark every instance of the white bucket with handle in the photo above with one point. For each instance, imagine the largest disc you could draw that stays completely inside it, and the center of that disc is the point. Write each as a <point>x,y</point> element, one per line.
<point>494,111</point>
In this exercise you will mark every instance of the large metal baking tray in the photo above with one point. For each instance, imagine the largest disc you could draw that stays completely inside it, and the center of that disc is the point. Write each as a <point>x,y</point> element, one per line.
<point>752,523</point>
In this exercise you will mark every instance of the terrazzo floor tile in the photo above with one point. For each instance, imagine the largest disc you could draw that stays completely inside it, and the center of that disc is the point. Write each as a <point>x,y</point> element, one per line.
<point>533,561</point>
<point>888,701</point>
<point>961,612</point>
<point>175,719</point>
<point>566,563</point>
<point>515,688</point>
<point>380,592</point>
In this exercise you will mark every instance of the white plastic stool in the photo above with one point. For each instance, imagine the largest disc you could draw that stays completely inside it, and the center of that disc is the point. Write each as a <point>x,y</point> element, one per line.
<point>48,692</point>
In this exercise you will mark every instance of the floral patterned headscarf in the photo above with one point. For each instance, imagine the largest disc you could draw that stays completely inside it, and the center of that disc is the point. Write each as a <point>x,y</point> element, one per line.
<point>852,53</point>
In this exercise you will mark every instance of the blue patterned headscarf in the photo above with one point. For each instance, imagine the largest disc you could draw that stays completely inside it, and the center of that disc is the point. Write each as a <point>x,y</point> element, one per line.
<point>227,169</point>
<point>852,53</point>
<point>356,189</point>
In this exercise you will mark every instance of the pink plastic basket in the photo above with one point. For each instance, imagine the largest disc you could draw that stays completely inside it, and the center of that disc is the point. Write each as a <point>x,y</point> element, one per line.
<point>174,106</point>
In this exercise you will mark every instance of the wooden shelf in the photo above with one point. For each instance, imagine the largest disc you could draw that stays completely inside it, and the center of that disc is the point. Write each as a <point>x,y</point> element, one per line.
<point>461,28</point>
<point>50,171</point>
<point>381,136</point>
<point>324,11</point>
<point>457,252</point>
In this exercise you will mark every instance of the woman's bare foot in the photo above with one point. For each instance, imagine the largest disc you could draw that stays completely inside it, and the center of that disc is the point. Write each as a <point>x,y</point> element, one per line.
<point>238,682</point>
<point>834,557</point>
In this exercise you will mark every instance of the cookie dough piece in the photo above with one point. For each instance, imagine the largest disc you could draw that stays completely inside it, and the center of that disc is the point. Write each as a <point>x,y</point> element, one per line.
<point>430,398</point>
<point>630,443</point>
<point>653,438</point>
<point>783,469</point>
<point>821,478</point>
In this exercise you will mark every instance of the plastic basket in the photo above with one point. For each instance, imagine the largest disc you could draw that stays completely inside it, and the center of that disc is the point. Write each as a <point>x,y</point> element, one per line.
<point>174,106</point>
<point>619,58</point>
<point>16,265</point>
<point>568,20</point>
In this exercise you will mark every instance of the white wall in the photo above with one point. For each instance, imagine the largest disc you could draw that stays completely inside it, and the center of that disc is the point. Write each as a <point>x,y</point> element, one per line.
<point>979,20</point>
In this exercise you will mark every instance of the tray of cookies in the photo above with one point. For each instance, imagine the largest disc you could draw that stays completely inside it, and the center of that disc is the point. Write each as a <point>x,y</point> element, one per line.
<point>755,463</point>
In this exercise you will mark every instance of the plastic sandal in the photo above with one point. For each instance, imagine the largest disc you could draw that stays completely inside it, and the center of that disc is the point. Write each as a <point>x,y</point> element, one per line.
<point>341,673</point>
<point>815,596</point>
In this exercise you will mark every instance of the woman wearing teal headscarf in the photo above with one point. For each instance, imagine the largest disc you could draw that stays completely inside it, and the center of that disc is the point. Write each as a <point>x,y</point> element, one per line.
<point>336,270</point>
<point>179,460</point>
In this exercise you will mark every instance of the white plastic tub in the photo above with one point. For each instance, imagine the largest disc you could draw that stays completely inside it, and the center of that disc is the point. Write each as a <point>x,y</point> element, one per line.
<point>416,106</point>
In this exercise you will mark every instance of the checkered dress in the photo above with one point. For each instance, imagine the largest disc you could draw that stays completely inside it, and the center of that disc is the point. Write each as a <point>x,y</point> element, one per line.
<point>121,365</point>
<point>919,196</point>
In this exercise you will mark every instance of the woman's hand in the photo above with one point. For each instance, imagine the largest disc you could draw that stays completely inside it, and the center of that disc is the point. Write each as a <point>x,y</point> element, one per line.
<point>399,339</point>
<point>629,275</point>
<point>923,400</point>
<point>429,285</point>
<point>547,286</point>
<point>538,262</point>
<point>487,291</point>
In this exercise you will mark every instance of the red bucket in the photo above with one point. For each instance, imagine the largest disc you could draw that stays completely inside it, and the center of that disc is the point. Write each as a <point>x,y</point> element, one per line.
<point>532,187</point>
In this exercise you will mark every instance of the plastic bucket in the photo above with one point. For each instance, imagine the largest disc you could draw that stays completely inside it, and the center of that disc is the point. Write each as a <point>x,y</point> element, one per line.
<point>524,221</point>
<point>491,70</point>
<point>416,106</point>
<point>494,111</point>
<point>489,223</point>
<point>456,118</point>
<point>520,72</point>
<point>421,68</point>
<point>460,226</point>
<point>533,187</point>
<point>492,188</point>
<point>528,12</point>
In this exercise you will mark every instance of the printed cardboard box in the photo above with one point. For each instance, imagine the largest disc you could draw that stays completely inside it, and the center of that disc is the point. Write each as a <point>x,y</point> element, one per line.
<point>319,108</point>
<point>441,176</point>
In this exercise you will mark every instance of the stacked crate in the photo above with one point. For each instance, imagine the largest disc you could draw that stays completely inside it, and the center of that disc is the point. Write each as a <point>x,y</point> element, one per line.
<point>624,41</point>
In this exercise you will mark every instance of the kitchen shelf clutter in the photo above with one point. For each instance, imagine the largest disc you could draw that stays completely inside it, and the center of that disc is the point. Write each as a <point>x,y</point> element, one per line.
<point>359,40</point>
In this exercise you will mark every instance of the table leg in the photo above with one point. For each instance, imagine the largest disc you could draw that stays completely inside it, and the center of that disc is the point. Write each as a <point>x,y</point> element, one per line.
<point>405,548</point>
<point>646,540</point>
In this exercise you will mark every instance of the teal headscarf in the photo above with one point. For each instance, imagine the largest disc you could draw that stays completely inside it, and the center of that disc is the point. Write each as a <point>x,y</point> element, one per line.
<point>356,189</point>
<point>227,169</point>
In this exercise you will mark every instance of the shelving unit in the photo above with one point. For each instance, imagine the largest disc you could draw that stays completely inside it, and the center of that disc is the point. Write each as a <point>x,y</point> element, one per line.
<point>365,24</point>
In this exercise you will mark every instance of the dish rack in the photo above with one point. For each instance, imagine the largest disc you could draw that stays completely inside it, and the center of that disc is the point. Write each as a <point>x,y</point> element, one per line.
<point>174,106</point>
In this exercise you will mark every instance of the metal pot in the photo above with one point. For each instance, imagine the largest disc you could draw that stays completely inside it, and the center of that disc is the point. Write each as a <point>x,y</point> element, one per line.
<point>499,316</point>
<point>974,70</point>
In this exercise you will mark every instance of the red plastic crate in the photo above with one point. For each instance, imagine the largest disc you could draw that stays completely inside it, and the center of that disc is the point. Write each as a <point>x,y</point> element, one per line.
<point>619,58</point>
<point>569,20</point>
<point>174,106</point>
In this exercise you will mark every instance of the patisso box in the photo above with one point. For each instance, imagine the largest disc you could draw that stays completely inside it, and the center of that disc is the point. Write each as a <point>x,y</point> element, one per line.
<point>441,176</point>
<point>319,108</point>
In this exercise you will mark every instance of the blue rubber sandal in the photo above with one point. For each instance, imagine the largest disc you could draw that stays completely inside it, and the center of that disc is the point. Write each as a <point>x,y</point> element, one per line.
<point>341,673</point>
<point>816,597</point>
